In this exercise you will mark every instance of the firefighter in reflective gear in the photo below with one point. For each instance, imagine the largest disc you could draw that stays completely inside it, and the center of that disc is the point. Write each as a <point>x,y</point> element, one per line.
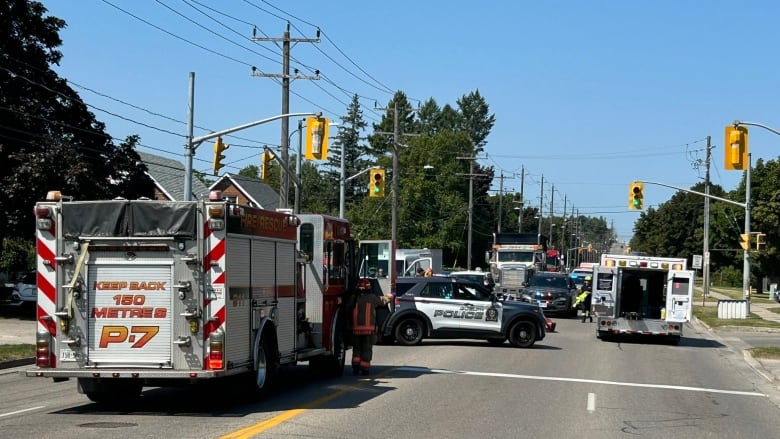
<point>364,326</point>
<point>584,300</point>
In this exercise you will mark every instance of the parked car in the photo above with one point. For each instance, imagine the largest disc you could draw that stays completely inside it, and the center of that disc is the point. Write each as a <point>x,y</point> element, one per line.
<point>554,292</point>
<point>451,308</point>
<point>23,291</point>
<point>476,276</point>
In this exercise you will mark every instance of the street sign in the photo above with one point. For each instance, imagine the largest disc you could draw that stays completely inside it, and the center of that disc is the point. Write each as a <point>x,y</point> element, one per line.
<point>697,261</point>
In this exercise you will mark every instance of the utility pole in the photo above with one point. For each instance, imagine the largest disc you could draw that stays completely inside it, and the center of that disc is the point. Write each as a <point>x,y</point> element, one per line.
<point>500,199</point>
<point>284,180</point>
<point>705,273</point>
<point>563,225</point>
<point>552,217</point>
<point>522,200</point>
<point>541,204</point>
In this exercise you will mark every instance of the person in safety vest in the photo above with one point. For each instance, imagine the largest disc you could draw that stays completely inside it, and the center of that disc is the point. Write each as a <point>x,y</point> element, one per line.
<point>584,299</point>
<point>364,326</point>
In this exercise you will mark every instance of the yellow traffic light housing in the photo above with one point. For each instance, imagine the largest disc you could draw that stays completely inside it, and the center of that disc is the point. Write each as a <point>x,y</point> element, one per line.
<point>316,138</point>
<point>760,241</point>
<point>376,183</point>
<point>744,241</point>
<point>636,196</point>
<point>219,148</point>
<point>736,148</point>
<point>265,169</point>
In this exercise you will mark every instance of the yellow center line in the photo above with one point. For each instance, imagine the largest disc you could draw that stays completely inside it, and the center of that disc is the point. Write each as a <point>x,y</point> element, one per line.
<point>250,431</point>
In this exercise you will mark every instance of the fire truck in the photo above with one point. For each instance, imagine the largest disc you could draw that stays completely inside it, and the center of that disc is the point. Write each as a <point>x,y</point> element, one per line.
<point>642,295</point>
<point>163,293</point>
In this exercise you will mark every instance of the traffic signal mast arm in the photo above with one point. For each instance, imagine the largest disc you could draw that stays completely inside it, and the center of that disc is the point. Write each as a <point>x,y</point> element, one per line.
<point>284,165</point>
<point>196,141</point>
<point>725,200</point>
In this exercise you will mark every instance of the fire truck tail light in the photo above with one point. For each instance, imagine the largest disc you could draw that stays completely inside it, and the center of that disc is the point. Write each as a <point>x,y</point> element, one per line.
<point>53,196</point>
<point>677,267</point>
<point>43,350</point>
<point>42,212</point>
<point>293,221</point>
<point>215,195</point>
<point>216,358</point>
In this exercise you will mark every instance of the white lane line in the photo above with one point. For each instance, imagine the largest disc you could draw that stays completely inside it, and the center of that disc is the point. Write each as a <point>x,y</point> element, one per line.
<point>581,380</point>
<point>21,411</point>
<point>591,402</point>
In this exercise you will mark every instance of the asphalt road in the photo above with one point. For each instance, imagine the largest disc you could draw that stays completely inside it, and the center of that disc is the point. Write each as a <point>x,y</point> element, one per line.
<point>569,385</point>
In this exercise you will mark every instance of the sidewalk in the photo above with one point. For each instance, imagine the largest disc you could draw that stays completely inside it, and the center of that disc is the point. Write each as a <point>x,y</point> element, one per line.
<point>759,309</point>
<point>769,369</point>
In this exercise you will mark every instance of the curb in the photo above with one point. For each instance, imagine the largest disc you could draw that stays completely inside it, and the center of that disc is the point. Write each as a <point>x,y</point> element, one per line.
<point>7,364</point>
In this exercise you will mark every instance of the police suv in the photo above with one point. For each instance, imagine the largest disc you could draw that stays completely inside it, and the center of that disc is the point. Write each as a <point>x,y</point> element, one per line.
<point>446,307</point>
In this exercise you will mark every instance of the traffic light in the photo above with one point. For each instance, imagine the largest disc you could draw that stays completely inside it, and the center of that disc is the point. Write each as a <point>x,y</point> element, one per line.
<point>376,184</point>
<point>736,148</point>
<point>265,169</point>
<point>316,138</point>
<point>760,241</point>
<point>219,148</point>
<point>636,196</point>
<point>744,241</point>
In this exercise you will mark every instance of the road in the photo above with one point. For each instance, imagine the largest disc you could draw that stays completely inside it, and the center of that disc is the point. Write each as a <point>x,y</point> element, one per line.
<point>569,385</point>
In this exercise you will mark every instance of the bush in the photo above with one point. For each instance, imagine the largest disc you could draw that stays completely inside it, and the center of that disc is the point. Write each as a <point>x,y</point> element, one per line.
<point>18,255</point>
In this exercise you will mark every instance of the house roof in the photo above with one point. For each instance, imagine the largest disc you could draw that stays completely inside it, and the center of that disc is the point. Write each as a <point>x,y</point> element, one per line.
<point>259,193</point>
<point>168,176</point>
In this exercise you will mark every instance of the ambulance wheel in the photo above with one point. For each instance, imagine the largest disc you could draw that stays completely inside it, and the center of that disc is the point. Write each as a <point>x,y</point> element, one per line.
<point>522,334</point>
<point>265,367</point>
<point>409,331</point>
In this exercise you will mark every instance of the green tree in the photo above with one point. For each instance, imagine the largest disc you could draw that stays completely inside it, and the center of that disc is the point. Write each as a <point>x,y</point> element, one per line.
<point>49,138</point>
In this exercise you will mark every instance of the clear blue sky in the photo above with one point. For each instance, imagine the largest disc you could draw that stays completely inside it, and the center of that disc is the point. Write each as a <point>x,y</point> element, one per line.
<point>588,94</point>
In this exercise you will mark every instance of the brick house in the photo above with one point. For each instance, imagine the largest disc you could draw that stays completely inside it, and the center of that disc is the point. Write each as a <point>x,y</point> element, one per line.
<point>247,191</point>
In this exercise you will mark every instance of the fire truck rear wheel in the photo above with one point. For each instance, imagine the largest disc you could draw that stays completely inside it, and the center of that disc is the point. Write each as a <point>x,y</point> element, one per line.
<point>522,334</point>
<point>265,372</point>
<point>113,391</point>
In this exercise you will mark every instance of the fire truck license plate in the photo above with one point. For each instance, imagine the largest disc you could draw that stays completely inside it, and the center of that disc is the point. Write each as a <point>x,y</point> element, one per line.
<point>67,354</point>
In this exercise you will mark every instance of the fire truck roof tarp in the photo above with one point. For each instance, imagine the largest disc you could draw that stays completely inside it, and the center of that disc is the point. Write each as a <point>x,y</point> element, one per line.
<point>164,218</point>
<point>129,218</point>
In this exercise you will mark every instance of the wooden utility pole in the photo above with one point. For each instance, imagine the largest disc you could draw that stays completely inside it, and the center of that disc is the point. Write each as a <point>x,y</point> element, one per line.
<point>284,179</point>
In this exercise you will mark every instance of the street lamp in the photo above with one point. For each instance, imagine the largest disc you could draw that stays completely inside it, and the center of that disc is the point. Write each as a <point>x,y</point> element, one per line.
<point>519,218</point>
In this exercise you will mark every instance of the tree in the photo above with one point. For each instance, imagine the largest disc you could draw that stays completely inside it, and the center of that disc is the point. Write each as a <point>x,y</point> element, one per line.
<point>475,118</point>
<point>349,140</point>
<point>48,136</point>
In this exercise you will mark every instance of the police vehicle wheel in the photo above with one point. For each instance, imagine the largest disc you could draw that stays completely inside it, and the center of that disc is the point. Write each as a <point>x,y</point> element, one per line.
<point>409,332</point>
<point>522,334</point>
